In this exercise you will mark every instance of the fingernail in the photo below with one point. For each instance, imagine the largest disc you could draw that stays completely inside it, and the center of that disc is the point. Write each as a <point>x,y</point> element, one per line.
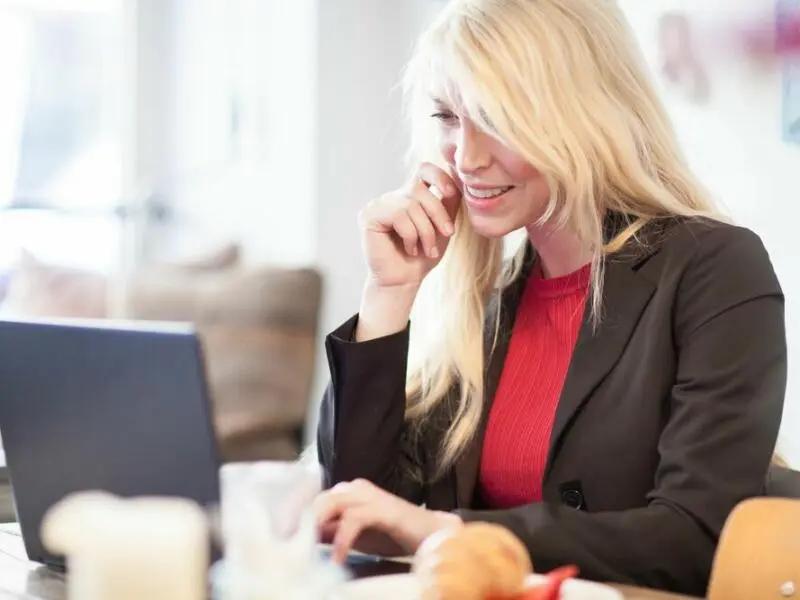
<point>448,229</point>
<point>433,252</point>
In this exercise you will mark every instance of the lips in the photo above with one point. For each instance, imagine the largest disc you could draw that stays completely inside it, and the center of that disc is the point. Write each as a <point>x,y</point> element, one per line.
<point>487,193</point>
<point>485,199</point>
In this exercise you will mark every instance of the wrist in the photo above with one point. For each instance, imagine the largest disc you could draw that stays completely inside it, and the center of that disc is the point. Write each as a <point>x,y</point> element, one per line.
<point>384,310</point>
<point>403,293</point>
<point>422,523</point>
<point>448,520</point>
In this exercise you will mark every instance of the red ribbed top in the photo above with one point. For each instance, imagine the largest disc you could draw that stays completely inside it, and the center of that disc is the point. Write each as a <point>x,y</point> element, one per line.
<point>521,418</point>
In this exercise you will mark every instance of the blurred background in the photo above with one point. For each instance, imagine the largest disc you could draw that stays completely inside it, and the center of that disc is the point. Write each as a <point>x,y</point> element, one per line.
<point>205,160</point>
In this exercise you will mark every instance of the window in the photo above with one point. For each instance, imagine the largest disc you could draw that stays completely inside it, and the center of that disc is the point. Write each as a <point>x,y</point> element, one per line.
<point>61,130</point>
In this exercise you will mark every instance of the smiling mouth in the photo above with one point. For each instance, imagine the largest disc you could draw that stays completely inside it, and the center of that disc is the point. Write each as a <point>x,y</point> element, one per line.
<point>488,193</point>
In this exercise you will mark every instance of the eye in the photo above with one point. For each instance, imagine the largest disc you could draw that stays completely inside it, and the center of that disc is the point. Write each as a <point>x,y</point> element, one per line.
<point>445,116</point>
<point>487,122</point>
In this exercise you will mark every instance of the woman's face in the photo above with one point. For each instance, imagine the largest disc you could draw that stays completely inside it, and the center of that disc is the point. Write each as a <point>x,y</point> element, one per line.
<point>502,192</point>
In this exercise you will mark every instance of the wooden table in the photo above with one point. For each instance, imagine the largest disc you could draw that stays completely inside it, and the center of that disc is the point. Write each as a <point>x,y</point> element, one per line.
<point>21,579</point>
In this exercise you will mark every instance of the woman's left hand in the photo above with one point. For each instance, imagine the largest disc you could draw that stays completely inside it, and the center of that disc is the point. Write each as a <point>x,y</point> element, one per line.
<point>359,515</point>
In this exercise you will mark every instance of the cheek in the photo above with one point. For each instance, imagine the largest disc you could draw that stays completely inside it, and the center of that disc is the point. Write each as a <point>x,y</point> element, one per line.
<point>448,151</point>
<point>532,183</point>
<point>517,168</point>
<point>536,184</point>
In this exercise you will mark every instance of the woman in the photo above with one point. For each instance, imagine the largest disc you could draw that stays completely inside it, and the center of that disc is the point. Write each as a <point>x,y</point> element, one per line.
<point>612,392</point>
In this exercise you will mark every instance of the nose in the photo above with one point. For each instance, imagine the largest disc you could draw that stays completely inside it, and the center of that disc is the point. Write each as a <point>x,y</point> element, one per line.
<point>472,153</point>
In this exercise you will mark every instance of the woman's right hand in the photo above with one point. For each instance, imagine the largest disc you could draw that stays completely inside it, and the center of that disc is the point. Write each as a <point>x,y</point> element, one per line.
<point>405,232</point>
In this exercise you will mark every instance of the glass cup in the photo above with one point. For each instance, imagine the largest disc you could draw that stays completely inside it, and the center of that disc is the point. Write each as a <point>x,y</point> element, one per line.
<point>268,532</point>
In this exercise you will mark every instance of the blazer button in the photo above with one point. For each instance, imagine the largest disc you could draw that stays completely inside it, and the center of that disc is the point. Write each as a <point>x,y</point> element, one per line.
<point>572,498</point>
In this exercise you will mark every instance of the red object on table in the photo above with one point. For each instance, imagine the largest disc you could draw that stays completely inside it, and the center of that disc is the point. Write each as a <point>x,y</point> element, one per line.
<point>550,589</point>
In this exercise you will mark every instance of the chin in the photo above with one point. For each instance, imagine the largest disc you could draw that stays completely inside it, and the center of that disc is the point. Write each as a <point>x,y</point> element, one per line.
<point>493,228</point>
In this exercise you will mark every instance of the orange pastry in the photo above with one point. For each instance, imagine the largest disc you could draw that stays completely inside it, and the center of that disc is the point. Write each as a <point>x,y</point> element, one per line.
<point>475,562</point>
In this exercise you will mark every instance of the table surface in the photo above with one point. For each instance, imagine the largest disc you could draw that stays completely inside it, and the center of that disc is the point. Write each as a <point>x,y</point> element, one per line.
<point>22,579</point>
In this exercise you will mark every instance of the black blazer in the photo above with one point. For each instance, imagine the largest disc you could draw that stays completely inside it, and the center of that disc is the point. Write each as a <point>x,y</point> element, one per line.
<point>668,418</point>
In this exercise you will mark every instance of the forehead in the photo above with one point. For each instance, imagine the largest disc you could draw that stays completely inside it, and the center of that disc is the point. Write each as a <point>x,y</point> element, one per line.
<point>450,84</point>
<point>446,93</point>
<point>447,82</point>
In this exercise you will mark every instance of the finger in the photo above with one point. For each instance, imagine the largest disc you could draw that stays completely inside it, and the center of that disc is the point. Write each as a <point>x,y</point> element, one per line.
<point>407,231</point>
<point>425,230</point>
<point>329,505</point>
<point>353,523</point>
<point>431,201</point>
<point>327,531</point>
<point>430,175</point>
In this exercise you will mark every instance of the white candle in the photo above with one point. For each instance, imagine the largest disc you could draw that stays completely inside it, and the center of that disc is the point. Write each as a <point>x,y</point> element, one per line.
<point>118,549</point>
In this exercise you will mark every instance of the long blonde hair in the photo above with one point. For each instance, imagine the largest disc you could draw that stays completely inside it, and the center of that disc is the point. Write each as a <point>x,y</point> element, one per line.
<point>561,82</point>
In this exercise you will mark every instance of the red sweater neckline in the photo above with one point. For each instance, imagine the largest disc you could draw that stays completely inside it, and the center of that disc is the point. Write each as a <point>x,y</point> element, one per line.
<point>563,285</point>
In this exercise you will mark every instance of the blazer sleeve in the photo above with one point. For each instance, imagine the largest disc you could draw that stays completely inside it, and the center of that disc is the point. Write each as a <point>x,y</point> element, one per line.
<point>715,450</point>
<point>362,432</point>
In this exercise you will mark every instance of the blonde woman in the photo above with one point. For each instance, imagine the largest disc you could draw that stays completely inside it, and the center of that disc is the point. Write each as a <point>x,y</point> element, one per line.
<point>611,393</point>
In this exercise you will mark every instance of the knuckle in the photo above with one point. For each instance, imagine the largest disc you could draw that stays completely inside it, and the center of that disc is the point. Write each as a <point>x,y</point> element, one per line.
<point>353,522</point>
<point>370,211</point>
<point>372,205</point>
<point>405,231</point>
<point>410,233</point>
<point>411,201</point>
<point>399,214</point>
<point>409,188</point>
<point>427,200</point>
<point>429,170</point>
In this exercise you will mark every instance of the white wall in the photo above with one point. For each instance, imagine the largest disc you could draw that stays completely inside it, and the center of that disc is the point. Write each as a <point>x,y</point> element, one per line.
<point>254,183</point>
<point>734,144</point>
<point>362,46</point>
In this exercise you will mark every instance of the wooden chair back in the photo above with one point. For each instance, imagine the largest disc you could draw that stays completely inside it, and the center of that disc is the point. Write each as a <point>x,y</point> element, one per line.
<point>758,557</point>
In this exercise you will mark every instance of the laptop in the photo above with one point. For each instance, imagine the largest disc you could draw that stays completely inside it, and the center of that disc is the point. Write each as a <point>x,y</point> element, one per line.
<point>103,405</point>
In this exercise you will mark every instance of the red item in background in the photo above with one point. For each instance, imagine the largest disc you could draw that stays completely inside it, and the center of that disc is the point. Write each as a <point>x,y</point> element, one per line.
<point>780,38</point>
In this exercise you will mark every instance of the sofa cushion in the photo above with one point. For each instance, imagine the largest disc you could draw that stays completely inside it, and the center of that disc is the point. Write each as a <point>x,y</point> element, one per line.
<point>257,326</point>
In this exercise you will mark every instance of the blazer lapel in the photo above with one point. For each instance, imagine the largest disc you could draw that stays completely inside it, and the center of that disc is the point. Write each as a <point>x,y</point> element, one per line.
<point>468,465</point>
<point>625,296</point>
